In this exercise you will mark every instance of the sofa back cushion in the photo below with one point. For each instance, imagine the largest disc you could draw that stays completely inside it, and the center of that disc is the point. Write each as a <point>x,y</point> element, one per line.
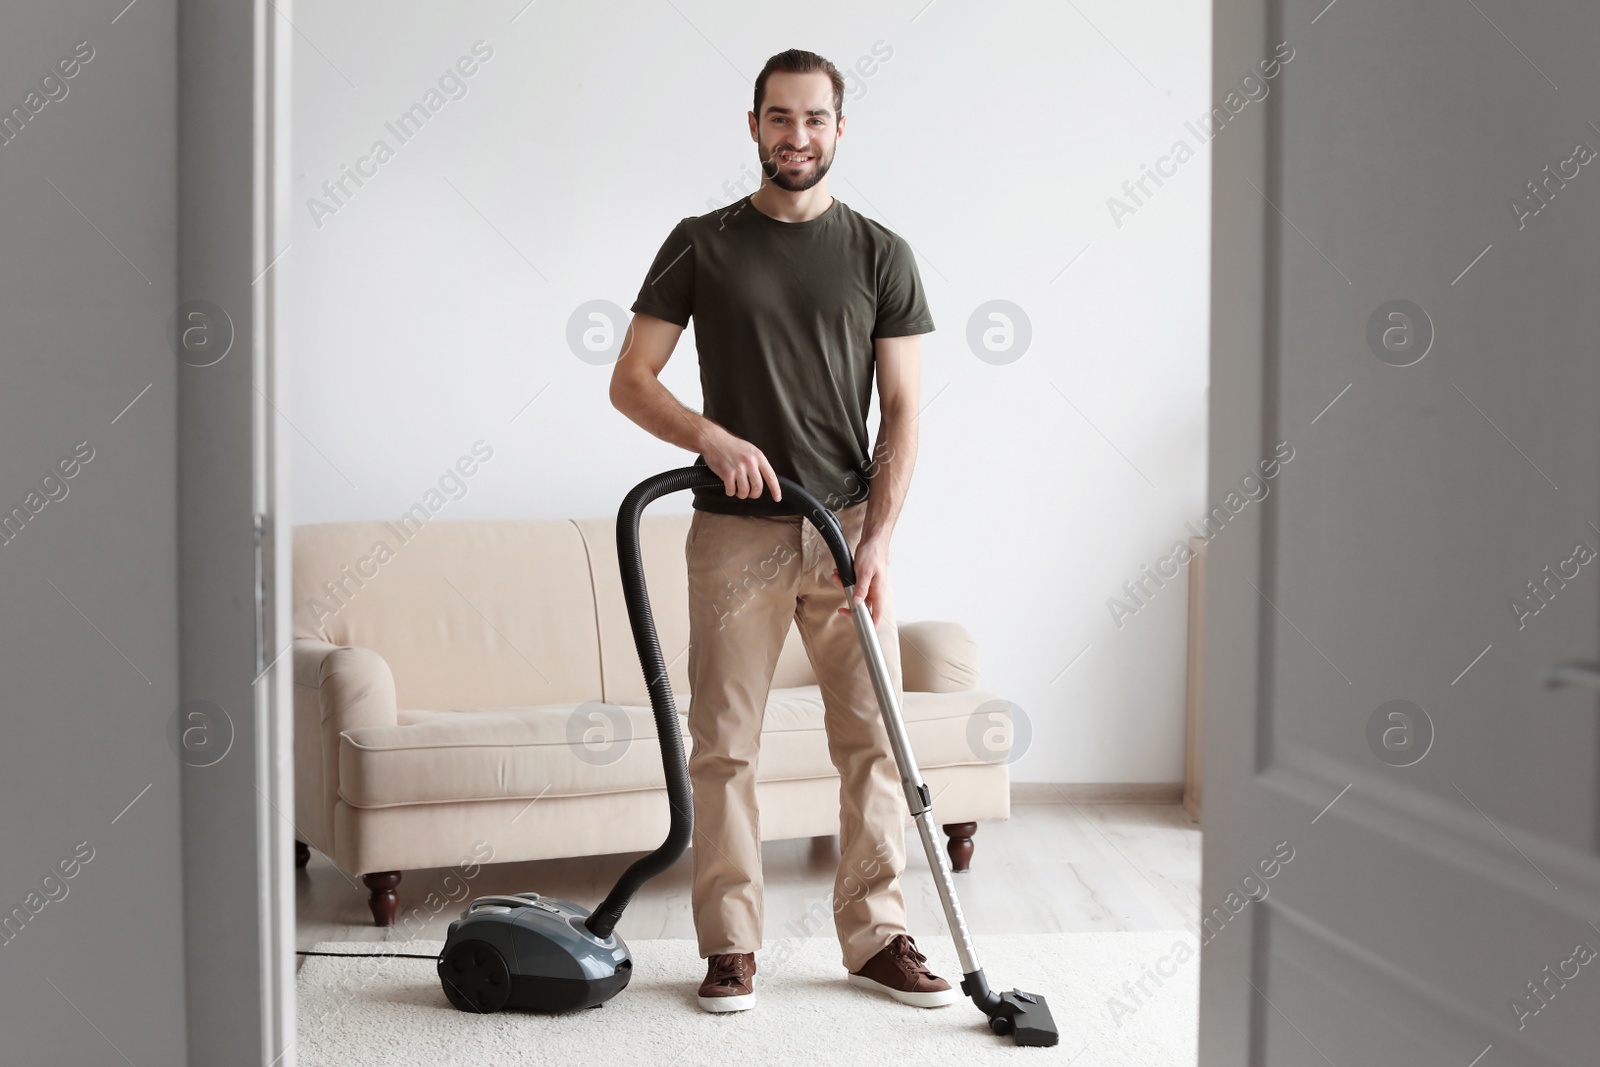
<point>468,613</point>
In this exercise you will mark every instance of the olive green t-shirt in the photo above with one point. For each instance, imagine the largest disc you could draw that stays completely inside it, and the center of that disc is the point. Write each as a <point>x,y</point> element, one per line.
<point>785,314</point>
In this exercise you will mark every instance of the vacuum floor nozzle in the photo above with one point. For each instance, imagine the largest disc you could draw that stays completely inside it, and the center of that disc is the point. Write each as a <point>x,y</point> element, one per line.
<point>1026,1017</point>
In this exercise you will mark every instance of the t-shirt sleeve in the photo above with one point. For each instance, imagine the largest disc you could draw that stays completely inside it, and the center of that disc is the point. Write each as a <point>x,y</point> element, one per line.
<point>902,302</point>
<point>668,289</point>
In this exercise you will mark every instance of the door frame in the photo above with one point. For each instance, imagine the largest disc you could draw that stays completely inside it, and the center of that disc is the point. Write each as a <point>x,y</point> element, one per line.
<point>1241,421</point>
<point>233,545</point>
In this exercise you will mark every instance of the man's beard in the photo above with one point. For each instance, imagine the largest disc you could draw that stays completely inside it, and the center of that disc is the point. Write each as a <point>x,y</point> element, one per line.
<point>778,175</point>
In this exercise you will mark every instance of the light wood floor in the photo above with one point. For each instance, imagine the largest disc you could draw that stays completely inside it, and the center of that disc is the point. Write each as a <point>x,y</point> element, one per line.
<point>1053,867</point>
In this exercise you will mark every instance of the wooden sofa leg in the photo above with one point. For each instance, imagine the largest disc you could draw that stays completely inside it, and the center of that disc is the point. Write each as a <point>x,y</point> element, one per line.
<point>383,901</point>
<point>960,844</point>
<point>302,854</point>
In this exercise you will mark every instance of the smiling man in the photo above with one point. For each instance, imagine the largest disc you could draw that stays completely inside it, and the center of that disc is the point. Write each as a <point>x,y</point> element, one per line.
<point>799,304</point>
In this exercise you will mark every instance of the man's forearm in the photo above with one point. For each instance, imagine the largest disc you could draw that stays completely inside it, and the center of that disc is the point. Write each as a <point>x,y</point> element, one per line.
<point>893,459</point>
<point>651,405</point>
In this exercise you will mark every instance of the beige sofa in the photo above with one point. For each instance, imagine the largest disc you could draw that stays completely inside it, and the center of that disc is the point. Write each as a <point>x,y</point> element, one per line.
<point>469,690</point>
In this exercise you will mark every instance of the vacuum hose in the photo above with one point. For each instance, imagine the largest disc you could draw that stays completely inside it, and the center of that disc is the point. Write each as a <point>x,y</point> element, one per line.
<point>798,501</point>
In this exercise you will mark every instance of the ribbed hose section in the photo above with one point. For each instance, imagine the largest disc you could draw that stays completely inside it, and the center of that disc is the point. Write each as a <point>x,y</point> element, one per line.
<point>605,917</point>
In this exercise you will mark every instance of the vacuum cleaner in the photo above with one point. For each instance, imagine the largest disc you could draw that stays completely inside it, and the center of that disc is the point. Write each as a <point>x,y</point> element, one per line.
<point>534,953</point>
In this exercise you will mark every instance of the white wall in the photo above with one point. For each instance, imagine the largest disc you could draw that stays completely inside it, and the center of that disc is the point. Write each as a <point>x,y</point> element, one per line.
<point>433,305</point>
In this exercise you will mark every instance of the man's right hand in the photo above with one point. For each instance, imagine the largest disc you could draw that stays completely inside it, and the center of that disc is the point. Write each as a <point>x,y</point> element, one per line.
<point>741,466</point>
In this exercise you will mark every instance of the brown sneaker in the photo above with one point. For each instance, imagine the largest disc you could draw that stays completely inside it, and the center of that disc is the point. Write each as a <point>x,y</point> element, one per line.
<point>730,983</point>
<point>902,972</point>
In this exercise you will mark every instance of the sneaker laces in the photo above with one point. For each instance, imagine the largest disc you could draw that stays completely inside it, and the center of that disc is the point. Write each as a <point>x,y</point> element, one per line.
<point>729,967</point>
<point>903,948</point>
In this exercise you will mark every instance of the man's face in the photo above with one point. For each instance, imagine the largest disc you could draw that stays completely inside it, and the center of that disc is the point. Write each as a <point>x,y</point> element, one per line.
<point>797,130</point>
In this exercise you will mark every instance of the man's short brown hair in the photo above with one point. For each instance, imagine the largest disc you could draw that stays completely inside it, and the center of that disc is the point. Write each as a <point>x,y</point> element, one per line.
<point>799,61</point>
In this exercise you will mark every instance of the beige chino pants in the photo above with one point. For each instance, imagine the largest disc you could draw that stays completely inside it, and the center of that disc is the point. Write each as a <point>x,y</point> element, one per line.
<point>749,577</point>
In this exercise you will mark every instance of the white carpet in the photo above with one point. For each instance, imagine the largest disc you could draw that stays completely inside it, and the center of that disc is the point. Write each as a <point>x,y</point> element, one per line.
<point>392,1013</point>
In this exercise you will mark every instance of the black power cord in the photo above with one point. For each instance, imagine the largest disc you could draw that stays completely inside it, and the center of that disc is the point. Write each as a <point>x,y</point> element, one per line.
<point>369,955</point>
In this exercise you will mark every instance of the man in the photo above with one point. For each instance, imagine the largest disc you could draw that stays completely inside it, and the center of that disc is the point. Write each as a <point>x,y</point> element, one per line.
<point>796,300</point>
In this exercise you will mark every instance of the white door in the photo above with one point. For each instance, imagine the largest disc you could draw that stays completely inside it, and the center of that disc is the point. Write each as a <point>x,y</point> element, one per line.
<point>1401,821</point>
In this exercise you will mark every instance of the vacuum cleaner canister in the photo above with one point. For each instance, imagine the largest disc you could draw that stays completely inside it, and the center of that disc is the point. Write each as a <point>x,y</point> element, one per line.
<point>531,953</point>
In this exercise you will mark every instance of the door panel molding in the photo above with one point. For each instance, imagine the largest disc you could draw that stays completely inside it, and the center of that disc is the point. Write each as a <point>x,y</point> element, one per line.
<point>1456,835</point>
<point>1379,990</point>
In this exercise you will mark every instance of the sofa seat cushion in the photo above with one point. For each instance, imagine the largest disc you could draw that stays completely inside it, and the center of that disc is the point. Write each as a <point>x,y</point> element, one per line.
<point>567,749</point>
<point>431,757</point>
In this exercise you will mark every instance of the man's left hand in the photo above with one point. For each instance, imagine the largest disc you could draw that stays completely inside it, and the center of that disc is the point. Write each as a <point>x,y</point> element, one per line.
<point>872,577</point>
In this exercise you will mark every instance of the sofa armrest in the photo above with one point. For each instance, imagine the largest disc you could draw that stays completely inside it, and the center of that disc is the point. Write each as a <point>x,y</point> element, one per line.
<point>355,685</point>
<point>937,657</point>
<point>336,688</point>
